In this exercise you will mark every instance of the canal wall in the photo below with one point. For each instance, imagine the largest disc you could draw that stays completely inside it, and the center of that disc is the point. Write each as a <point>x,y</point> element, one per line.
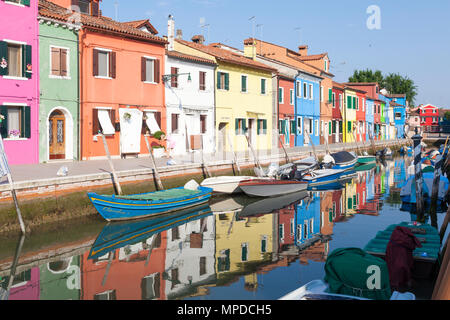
<point>60,198</point>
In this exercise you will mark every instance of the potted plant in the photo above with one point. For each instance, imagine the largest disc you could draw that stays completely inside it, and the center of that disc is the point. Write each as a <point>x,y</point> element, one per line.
<point>159,149</point>
<point>14,134</point>
<point>127,116</point>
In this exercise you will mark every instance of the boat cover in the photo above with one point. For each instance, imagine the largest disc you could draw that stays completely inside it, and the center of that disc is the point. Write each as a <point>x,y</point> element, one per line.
<point>343,157</point>
<point>161,195</point>
<point>349,270</point>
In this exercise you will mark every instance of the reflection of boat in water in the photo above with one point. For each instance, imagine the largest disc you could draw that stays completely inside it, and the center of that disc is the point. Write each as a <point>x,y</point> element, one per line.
<point>272,187</point>
<point>366,167</point>
<point>230,203</point>
<point>226,184</point>
<point>117,235</point>
<point>270,205</point>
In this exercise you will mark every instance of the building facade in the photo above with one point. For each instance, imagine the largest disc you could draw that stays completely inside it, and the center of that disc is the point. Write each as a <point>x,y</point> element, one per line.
<point>19,80</point>
<point>338,109</point>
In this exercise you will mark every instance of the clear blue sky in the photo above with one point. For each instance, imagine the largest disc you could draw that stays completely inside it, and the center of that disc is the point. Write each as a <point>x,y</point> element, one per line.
<point>414,39</point>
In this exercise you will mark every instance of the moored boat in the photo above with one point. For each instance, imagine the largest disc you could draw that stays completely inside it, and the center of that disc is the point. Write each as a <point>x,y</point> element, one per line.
<point>226,184</point>
<point>344,160</point>
<point>271,187</point>
<point>323,176</point>
<point>128,207</point>
<point>366,159</point>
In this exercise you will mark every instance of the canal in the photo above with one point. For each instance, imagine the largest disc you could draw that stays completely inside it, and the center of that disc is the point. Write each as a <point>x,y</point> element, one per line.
<point>234,248</point>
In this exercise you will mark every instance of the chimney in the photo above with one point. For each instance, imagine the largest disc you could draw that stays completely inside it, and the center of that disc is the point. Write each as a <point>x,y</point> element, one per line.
<point>303,50</point>
<point>171,33</point>
<point>250,48</point>
<point>179,34</point>
<point>198,39</point>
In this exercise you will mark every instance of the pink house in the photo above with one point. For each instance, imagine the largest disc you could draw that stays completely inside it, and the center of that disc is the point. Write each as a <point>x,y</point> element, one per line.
<point>19,80</point>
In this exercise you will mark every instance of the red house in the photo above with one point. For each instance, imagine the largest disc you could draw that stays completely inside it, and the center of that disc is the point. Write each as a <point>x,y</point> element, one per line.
<point>337,107</point>
<point>429,118</point>
<point>286,224</point>
<point>286,111</point>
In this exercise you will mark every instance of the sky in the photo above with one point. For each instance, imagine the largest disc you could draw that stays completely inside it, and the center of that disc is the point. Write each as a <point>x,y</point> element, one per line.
<point>408,37</point>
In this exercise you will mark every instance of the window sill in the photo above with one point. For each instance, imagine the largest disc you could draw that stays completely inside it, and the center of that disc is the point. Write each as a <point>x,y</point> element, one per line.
<point>102,77</point>
<point>15,139</point>
<point>149,82</point>
<point>15,78</point>
<point>16,4</point>
<point>51,76</point>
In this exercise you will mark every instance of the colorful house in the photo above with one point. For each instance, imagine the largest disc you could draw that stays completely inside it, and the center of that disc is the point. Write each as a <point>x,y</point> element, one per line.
<point>189,83</point>
<point>429,118</point>
<point>59,86</point>
<point>370,109</point>
<point>19,80</point>
<point>349,114</point>
<point>360,113</point>
<point>307,220</point>
<point>243,92</point>
<point>400,105</point>
<point>338,110</point>
<point>121,66</point>
<point>307,108</point>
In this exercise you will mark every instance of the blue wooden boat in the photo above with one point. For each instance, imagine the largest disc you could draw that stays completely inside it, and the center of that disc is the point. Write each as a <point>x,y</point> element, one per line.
<point>344,160</point>
<point>326,176</point>
<point>117,235</point>
<point>116,208</point>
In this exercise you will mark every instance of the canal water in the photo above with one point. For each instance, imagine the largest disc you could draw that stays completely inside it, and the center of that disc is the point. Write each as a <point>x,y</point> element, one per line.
<point>234,248</point>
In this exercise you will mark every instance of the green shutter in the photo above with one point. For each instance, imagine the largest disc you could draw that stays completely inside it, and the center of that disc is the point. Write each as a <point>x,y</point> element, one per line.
<point>3,57</point>
<point>4,123</point>
<point>280,95</point>
<point>329,128</point>
<point>263,86</point>
<point>349,203</point>
<point>349,126</point>
<point>236,126</point>
<point>27,122</point>
<point>330,95</point>
<point>354,103</point>
<point>25,2</point>
<point>258,126</point>
<point>243,84</point>
<point>264,126</point>
<point>218,80</point>
<point>27,68</point>
<point>349,102</point>
<point>227,81</point>
<point>244,125</point>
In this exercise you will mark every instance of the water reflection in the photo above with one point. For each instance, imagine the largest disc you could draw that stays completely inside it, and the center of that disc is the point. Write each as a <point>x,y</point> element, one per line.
<point>190,253</point>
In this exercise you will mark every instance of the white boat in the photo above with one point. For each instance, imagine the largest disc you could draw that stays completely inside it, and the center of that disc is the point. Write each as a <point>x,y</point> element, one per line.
<point>271,187</point>
<point>226,184</point>
<point>317,290</point>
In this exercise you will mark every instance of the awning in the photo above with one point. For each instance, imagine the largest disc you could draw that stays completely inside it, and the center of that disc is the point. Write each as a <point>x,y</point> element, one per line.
<point>151,122</point>
<point>105,122</point>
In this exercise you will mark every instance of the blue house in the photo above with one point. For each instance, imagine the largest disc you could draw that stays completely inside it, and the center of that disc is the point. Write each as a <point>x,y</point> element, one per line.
<point>307,108</point>
<point>369,118</point>
<point>399,105</point>
<point>385,113</point>
<point>307,219</point>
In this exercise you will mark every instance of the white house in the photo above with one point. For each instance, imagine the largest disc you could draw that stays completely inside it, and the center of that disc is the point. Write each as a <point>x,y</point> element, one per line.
<point>189,83</point>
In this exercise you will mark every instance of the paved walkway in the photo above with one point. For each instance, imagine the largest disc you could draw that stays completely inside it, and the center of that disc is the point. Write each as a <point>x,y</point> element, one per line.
<point>49,170</point>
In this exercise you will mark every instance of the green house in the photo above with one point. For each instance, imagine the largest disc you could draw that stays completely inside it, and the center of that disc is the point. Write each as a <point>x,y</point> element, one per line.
<point>59,89</point>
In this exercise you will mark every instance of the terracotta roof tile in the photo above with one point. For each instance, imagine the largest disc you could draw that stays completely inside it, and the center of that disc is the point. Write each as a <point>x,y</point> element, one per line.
<point>51,10</point>
<point>227,55</point>
<point>312,57</point>
<point>141,23</point>
<point>179,55</point>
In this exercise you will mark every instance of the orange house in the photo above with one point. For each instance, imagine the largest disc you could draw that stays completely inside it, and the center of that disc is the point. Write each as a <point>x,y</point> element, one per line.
<point>121,66</point>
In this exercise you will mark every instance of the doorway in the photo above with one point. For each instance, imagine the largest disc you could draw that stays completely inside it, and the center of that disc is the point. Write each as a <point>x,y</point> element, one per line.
<point>57,135</point>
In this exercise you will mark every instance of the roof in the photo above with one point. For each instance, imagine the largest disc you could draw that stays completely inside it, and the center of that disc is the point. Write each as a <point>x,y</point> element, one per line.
<point>313,57</point>
<point>361,83</point>
<point>354,89</point>
<point>338,85</point>
<point>227,55</point>
<point>138,24</point>
<point>101,23</point>
<point>183,56</point>
<point>401,95</point>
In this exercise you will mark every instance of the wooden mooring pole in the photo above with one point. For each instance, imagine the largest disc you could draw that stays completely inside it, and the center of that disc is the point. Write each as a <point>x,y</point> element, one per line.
<point>257,164</point>
<point>155,169</point>
<point>113,172</point>
<point>235,161</point>
<point>4,295</point>
<point>418,176</point>
<point>436,181</point>
<point>284,149</point>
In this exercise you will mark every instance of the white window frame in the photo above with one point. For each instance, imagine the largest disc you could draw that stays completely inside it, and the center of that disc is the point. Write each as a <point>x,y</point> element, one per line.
<point>305,90</point>
<point>311,91</point>
<point>15,4</point>
<point>321,93</point>
<point>291,97</point>
<point>334,99</point>
<point>316,124</point>
<point>108,77</point>
<point>51,76</point>
<point>154,59</point>
<point>299,89</point>
<point>282,95</point>
<point>300,125</point>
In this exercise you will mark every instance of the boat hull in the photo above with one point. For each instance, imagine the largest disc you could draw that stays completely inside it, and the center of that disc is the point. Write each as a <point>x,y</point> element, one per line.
<point>227,185</point>
<point>366,159</point>
<point>328,178</point>
<point>112,208</point>
<point>271,188</point>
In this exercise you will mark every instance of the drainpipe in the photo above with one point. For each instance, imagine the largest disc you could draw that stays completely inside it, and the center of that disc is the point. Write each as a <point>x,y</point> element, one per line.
<point>78,99</point>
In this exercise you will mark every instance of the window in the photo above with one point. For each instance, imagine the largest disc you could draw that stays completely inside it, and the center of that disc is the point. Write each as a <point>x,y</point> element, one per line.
<point>262,126</point>
<point>107,295</point>
<point>300,125</point>
<point>202,266</point>
<point>349,126</point>
<point>243,83</point>
<point>334,100</point>
<point>16,123</point>
<point>363,104</point>
<point>326,65</point>
<point>175,120</point>
<point>291,95</point>
<point>15,59</point>
<point>202,80</point>
<point>202,123</point>
<point>223,81</point>
<point>281,95</point>
<point>104,63</point>
<point>299,89</point>
<point>151,286</point>
<point>263,86</point>
<point>103,120</point>
<point>263,244</point>
<point>357,103</point>
<point>84,6</point>
<point>321,127</point>
<point>292,126</point>
<point>241,127</point>
<point>281,231</point>
<point>398,116</point>
<point>174,77</point>
<point>305,92</point>
<point>150,70</point>
<point>59,62</point>
<point>22,2</point>
<point>317,127</point>
<point>244,252</point>
<point>311,128</point>
<point>321,93</point>
<point>311,94</point>
<point>299,231</point>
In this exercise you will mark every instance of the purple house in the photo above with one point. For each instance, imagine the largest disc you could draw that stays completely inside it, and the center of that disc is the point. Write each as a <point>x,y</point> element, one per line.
<point>19,80</point>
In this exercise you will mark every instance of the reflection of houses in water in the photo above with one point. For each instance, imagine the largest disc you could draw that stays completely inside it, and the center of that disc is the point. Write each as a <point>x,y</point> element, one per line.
<point>60,280</point>
<point>307,220</point>
<point>190,258</point>
<point>350,199</point>
<point>243,245</point>
<point>25,285</point>
<point>125,274</point>
<point>286,228</point>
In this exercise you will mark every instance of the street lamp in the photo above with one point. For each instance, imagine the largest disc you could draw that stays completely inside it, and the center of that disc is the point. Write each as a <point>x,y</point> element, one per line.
<point>167,77</point>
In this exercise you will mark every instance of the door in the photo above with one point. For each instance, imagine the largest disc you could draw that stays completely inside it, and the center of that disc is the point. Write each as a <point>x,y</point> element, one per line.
<point>57,139</point>
<point>222,139</point>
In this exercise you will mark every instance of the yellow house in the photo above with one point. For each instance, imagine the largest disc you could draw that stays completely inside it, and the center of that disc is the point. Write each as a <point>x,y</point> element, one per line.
<point>243,92</point>
<point>349,114</point>
<point>240,243</point>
